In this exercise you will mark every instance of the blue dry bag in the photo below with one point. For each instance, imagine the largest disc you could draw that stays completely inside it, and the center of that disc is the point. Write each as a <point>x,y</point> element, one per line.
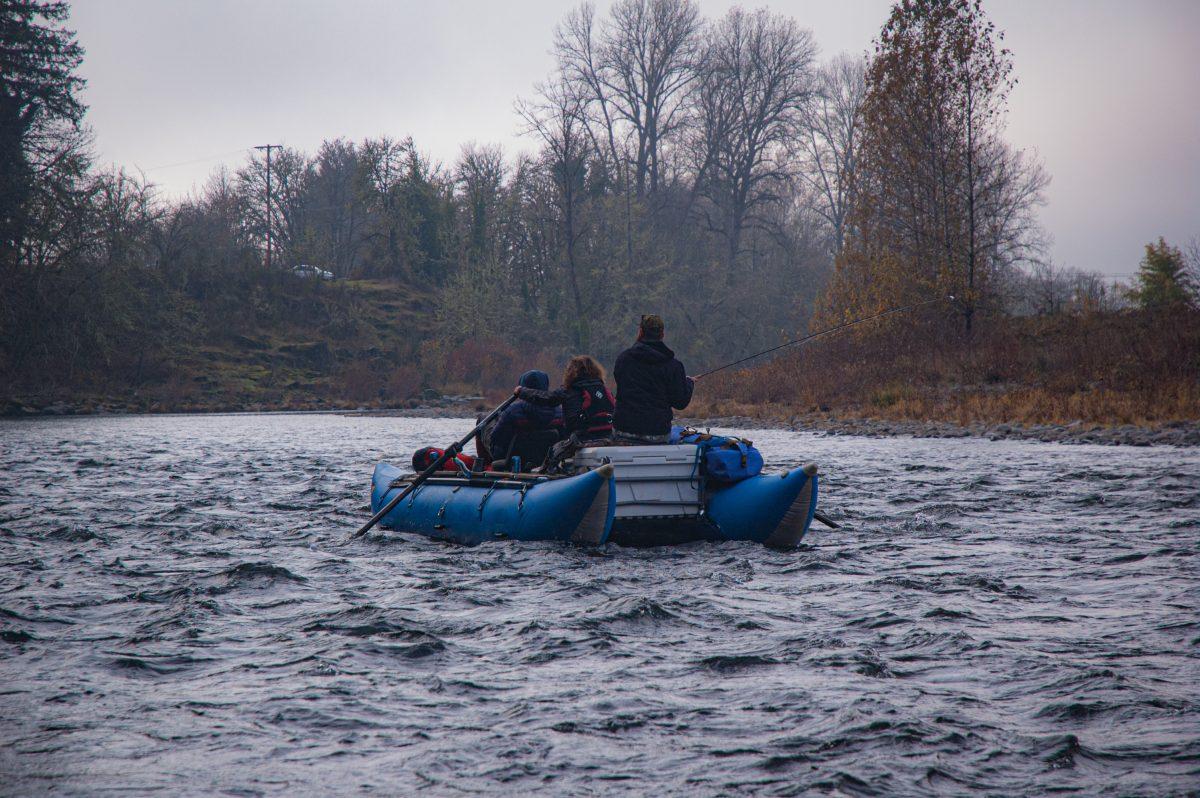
<point>726,459</point>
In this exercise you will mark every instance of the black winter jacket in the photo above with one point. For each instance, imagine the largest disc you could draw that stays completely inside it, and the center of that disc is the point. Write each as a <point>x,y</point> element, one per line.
<point>571,400</point>
<point>650,381</point>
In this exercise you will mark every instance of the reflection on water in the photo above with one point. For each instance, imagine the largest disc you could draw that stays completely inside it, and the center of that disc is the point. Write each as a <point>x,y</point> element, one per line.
<point>176,614</point>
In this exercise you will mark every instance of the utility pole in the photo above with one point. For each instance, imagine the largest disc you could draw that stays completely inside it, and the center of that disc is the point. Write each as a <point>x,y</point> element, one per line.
<point>268,148</point>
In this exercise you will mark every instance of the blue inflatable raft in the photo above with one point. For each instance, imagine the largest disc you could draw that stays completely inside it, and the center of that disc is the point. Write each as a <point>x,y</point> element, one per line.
<point>472,510</point>
<point>636,495</point>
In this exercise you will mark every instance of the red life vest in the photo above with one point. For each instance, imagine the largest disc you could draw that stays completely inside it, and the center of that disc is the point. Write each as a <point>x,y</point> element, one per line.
<point>596,415</point>
<point>423,458</point>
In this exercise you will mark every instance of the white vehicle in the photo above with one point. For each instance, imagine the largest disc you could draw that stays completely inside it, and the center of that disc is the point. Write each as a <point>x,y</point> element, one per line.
<point>308,270</point>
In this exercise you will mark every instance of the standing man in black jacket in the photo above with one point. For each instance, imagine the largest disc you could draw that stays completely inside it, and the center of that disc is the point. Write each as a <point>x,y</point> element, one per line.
<point>650,381</point>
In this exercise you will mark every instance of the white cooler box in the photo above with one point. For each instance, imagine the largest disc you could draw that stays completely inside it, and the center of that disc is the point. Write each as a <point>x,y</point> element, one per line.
<point>652,481</point>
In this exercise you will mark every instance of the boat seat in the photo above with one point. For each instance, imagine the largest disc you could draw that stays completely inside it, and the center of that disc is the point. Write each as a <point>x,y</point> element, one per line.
<point>531,446</point>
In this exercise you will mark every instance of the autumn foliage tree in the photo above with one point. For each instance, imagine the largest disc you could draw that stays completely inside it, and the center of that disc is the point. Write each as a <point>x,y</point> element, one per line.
<point>942,204</point>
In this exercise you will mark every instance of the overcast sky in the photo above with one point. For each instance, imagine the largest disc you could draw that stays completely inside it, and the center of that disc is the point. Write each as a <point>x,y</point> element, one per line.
<point>1108,94</point>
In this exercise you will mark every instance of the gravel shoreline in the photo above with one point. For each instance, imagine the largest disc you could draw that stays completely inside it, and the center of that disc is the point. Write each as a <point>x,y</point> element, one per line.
<point>1175,433</point>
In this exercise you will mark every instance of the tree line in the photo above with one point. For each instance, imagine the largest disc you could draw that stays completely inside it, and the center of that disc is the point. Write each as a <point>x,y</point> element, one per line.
<point>716,171</point>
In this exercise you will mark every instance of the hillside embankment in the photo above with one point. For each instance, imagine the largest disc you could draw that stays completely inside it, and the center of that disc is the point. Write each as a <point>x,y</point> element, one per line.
<point>302,345</point>
<point>1128,378</point>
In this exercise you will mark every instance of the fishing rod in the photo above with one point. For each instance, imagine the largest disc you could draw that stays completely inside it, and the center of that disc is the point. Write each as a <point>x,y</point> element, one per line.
<point>842,326</point>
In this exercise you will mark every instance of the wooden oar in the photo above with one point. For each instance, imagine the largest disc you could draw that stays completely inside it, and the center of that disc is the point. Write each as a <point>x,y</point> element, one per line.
<point>825,520</point>
<point>449,454</point>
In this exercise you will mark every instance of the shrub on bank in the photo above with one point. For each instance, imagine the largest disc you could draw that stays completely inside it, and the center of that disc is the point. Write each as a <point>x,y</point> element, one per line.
<point>1130,367</point>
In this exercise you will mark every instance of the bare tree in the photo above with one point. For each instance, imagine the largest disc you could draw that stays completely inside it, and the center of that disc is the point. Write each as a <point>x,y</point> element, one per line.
<point>1191,256</point>
<point>1050,288</point>
<point>384,160</point>
<point>1047,289</point>
<point>291,173</point>
<point>558,119</point>
<point>337,200</point>
<point>650,53</point>
<point>828,142</point>
<point>1091,293</point>
<point>633,76</point>
<point>757,77</point>
<point>578,49</point>
<point>1007,188</point>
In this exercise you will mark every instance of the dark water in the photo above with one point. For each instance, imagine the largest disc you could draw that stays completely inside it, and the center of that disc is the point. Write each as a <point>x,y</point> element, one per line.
<point>177,617</point>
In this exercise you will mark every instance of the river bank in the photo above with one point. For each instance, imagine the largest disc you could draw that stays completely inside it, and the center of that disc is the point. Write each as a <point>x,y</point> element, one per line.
<point>1174,433</point>
<point>435,406</point>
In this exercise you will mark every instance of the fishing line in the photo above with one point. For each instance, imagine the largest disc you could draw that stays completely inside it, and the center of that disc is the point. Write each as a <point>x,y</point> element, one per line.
<point>842,326</point>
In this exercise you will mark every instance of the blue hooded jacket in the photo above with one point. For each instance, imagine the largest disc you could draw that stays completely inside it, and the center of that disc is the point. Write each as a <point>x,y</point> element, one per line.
<point>522,415</point>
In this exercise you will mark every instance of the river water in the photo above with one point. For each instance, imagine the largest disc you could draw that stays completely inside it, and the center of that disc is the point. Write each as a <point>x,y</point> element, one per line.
<point>177,616</point>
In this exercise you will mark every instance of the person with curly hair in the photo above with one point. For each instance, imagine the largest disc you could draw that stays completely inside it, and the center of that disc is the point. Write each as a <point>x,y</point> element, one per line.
<point>587,407</point>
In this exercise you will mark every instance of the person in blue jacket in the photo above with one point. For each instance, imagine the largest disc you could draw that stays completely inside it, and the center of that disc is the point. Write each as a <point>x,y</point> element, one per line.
<point>520,416</point>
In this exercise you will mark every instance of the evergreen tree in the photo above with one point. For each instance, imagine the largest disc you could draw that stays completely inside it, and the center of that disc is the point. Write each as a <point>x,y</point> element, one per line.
<point>38,91</point>
<point>1163,280</point>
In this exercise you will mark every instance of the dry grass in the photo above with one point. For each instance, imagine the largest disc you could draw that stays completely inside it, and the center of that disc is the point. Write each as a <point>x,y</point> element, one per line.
<point>1130,368</point>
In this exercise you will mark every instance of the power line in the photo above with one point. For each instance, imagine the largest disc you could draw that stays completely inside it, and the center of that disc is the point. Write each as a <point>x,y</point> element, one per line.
<point>194,161</point>
<point>268,148</point>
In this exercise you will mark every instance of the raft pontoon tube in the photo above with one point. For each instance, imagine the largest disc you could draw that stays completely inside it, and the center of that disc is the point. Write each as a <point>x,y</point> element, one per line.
<point>496,506</point>
<point>663,497</point>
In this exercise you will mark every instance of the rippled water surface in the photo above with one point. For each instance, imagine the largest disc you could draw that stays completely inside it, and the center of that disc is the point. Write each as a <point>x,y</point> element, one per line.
<point>177,615</point>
